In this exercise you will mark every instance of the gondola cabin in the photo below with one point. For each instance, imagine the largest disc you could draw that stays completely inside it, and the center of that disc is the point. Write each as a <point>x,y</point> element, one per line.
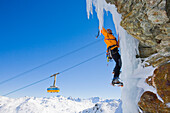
<point>53,89</point>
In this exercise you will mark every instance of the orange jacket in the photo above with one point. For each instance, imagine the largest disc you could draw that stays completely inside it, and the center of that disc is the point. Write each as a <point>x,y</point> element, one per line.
<point>109,39</point>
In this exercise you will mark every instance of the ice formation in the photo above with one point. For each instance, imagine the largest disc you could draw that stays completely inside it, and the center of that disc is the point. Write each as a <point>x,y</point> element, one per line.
<point>133,73</point>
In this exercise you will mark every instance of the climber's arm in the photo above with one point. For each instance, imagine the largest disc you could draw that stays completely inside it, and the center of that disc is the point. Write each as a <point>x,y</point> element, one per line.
<point>104,32</point>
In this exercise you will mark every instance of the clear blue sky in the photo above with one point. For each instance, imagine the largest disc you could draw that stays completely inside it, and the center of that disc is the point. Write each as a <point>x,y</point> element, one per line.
<point>33,32</point>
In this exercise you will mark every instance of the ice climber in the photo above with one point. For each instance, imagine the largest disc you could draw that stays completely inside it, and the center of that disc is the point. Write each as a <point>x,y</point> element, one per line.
<point>112,53</point>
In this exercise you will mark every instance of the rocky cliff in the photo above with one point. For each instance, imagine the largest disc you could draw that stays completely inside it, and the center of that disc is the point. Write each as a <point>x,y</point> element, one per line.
<point>148,21</point>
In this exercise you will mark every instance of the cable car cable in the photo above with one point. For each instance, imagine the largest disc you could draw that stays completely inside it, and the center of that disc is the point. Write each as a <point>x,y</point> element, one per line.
<point>60,73</point>
<point>81,62</point>
<point>50,61</point>
<point>26,86</point>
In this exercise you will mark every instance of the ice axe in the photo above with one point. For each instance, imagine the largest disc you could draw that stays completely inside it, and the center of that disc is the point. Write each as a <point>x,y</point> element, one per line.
<point>98,33</point>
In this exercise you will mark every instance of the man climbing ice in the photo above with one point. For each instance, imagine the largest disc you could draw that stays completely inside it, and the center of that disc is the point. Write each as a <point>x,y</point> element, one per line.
<point>112,53</point>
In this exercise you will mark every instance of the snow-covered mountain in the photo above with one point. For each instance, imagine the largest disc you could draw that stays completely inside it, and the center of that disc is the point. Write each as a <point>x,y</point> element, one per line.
<point>105,107</point>
<point>58,104</point>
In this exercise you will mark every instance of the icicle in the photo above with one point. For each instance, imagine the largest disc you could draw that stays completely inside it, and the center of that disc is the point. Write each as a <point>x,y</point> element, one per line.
<point>89,8</point>
<point>100,6</point>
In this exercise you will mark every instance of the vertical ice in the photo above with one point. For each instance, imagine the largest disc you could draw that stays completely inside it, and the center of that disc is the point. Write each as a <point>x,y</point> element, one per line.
<point>89,8</point>
<point>129,49</point>
<point>99,9</point>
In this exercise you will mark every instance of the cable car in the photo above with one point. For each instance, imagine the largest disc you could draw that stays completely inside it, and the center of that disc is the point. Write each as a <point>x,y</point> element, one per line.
<point>54,88</point>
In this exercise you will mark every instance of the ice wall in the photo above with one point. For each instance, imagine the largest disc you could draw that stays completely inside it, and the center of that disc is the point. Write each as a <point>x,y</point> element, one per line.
<point>100,6</point>
<point>130,93</point>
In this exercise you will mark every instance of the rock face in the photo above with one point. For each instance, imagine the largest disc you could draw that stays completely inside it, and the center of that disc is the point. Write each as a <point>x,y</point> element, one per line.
<point>161,81</point>
<point>151,104</point>
<point>148,21</point>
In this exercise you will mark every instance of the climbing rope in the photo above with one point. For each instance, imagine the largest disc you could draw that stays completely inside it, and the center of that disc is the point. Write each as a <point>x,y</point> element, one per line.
<point>50,77</point>
<point>48,62</point>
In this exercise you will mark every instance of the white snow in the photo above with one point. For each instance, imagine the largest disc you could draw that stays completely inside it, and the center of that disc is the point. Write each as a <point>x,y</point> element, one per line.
<point>104,108</point>
<point>133,72</point>
<point>168,104</point>
<point>58,104</point>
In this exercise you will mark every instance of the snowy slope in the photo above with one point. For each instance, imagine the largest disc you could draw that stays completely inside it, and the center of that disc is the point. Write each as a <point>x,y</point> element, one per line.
<point>57,104</point>
<point>104,107</point>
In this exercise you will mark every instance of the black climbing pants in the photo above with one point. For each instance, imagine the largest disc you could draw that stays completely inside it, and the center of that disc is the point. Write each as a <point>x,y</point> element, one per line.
<point>117,59</point>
